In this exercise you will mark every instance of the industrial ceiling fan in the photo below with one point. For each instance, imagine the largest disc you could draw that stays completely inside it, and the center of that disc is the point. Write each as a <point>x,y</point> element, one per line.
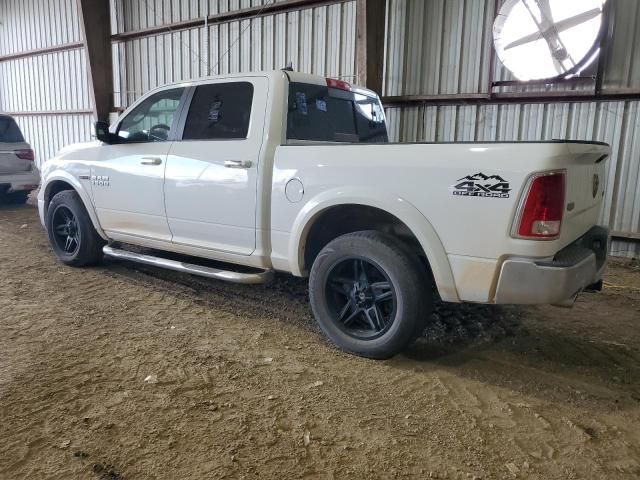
<point>540,39</point>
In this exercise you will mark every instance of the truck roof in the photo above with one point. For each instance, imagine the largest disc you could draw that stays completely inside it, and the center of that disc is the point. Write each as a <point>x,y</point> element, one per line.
<point>293,76</point>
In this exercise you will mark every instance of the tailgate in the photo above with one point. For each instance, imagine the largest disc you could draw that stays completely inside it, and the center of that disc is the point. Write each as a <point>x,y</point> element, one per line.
<point>9,161</point>
<point>585,184</point>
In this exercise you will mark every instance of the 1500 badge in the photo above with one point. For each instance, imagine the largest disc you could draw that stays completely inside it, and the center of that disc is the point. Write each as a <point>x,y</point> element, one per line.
<point>481,185</point>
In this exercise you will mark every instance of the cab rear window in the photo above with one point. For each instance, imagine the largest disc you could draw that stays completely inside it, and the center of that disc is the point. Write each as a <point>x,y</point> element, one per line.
<point>9,131</point>
<point>322,114</point>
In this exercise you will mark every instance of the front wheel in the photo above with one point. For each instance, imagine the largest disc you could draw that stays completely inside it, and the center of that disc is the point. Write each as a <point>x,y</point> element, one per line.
<point>70,230</point>
<point>369,294</point>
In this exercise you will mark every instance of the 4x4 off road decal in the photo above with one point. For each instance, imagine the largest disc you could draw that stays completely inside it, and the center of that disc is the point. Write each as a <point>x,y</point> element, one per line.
<point>481,185</point>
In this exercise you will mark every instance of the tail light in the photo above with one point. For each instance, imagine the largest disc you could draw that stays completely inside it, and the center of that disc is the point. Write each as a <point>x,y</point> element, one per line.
<point>25,154</point>
<point>339,84</point>
<point>543,206</point>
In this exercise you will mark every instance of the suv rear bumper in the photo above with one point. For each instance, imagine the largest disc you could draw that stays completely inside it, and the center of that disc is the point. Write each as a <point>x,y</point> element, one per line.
<point>20,181</point>
<point>556,281</point>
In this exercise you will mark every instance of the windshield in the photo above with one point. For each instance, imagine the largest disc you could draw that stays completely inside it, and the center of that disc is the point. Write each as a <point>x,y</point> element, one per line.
<point>9,131</point>
<point>323,114</point>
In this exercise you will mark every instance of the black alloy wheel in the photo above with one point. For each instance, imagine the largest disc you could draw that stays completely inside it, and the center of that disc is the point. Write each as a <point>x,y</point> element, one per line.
<point>65,230</point>
<point>71,233</point>
<point>370,293</point>
<point>361,297</point>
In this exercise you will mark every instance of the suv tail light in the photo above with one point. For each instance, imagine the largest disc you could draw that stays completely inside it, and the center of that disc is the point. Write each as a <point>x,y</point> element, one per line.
<point>25,154</point>
<point>540,215</point>
<point>339,84</point>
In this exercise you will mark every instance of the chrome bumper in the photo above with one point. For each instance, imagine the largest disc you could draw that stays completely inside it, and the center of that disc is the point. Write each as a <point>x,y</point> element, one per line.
<point>556,281</point>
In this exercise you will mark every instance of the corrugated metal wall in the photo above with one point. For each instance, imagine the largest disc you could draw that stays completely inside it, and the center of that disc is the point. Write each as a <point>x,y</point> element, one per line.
<point>50,82</point>
<point>32,24</point>
<point>438,47</point>
<point>316,40</point>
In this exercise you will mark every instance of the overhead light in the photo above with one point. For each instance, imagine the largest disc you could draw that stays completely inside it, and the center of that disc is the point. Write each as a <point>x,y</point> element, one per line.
<point>544,39</point>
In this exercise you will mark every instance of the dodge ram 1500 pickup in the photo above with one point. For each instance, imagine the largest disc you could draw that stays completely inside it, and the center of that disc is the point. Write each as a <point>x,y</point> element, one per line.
<point>239,176</point>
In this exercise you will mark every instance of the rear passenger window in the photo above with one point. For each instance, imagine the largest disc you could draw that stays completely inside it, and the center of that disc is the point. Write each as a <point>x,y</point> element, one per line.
<point>322,114</point>
<point>9,131</point>
<point>219,111</point>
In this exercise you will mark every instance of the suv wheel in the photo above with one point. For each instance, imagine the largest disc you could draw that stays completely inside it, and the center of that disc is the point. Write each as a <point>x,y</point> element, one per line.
<point>369,294</point>
<point>70,230</point>
<point>17,198</point>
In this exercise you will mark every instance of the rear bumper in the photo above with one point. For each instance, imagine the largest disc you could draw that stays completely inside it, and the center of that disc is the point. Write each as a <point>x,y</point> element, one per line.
<point>556,281</point>
<point>20,181</point>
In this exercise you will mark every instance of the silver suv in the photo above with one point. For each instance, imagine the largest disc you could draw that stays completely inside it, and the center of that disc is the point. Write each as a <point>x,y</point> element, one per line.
<point>18,172</point>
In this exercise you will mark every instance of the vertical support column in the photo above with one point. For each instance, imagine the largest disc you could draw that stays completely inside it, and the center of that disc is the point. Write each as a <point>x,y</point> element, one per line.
<point>370,30</point>
<point>96,26</point>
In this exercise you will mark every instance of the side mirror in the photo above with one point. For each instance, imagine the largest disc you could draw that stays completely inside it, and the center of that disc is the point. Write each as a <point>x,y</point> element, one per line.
<point>102,132</point>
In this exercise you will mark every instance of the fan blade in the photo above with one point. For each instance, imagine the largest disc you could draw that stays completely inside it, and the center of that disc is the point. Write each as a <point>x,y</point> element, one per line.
<point>579,19</point>
<point>532,37</point>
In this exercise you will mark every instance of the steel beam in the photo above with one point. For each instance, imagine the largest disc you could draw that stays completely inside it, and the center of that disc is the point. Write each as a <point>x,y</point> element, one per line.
<point>370,30</point>
<point>505,98</point>
<point>95,20</point>
<point>635,237</point>
<point>243,14</point>
<point>48,112</point>
<point>42,51</point>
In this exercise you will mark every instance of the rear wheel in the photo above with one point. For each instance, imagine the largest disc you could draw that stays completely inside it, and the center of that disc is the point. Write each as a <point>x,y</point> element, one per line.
<point>70,231</point>
<point>17,198</point>
<point>369,294</point>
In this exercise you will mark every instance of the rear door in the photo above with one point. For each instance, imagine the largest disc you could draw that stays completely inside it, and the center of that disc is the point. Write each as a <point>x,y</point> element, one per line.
<point>127,178</point>
<point>212,172</point>
<point>15,154</point>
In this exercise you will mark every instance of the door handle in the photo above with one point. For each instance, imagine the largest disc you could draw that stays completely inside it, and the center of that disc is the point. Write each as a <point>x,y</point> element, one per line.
<point>151,161</point>
<point>237,163</point>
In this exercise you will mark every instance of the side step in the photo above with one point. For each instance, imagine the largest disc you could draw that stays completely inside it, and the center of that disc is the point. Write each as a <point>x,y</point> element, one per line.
<point>228,276</point>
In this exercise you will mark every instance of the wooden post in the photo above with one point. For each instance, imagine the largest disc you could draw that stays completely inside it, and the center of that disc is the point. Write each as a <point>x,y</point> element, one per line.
<point>370,30</point>
<point>95,20</point>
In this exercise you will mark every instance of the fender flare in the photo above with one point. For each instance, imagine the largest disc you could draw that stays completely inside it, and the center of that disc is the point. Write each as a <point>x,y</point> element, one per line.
<point>62,176</point>
<point>396,206</point>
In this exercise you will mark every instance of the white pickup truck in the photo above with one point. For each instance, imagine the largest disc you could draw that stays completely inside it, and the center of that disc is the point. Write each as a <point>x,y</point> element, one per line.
<point>239,176</point>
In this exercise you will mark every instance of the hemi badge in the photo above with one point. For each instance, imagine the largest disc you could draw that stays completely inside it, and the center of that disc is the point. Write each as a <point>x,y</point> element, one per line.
<point>84,177</point>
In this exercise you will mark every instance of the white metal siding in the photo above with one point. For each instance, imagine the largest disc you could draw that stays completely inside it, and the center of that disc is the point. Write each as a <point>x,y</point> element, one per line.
<point>53,81</point>
<point>33,24</point>
<point>318,40</point>
<point>138,14</point>
<point>47,82</point>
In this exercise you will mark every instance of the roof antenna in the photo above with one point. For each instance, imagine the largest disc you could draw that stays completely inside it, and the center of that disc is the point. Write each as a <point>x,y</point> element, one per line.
<point>289,67</point>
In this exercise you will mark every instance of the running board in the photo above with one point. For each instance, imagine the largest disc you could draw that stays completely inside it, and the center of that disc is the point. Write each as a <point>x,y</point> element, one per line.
<point>209,272</point>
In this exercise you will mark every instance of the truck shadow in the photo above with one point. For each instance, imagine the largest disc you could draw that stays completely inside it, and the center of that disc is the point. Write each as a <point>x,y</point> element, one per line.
<point>528,351</point>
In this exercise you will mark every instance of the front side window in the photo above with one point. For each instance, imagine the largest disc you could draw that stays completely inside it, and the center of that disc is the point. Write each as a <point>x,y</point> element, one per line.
<point>322,114</point>
<point>152,120</point>
<point>9,131</point>
<point>219,111</point>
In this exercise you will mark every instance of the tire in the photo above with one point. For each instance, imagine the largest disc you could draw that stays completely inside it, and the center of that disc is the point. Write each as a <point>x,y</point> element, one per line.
<point>85,247</point>
<point>377,314</point>
<point>17,198</point>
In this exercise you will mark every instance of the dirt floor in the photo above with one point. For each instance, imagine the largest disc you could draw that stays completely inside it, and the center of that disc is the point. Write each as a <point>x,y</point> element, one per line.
<point>240,384</point>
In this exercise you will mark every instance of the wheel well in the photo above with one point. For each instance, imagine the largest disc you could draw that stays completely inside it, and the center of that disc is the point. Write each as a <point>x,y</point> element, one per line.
<point>53,189</point>
<point>342,219</point>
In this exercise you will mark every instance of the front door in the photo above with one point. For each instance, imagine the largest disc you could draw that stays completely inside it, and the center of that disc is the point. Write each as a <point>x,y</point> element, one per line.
<point>211,175</point>
<point>127,180</point>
